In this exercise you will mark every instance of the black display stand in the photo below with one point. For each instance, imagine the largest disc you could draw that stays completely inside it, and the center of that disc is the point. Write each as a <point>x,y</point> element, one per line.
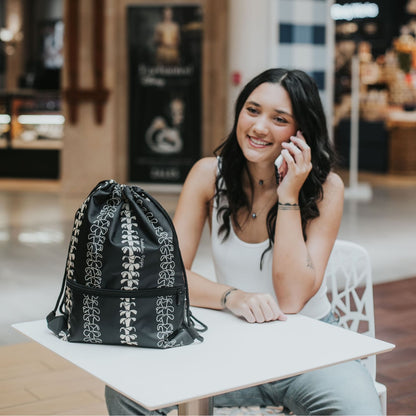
<point>164,49</point>
<point>373,145</point>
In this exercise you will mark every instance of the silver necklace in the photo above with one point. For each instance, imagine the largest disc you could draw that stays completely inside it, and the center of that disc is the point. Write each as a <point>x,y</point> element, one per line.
<point>261,182</point>
<point>255,214</point>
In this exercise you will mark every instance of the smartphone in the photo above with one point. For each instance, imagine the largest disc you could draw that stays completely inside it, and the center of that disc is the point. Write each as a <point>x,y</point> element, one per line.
<point>277,163</point>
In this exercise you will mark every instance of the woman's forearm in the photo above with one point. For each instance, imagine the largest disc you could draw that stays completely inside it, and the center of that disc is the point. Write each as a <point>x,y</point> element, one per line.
<point>254,307</point>
<point>294,276</point>
<point>203,292</point>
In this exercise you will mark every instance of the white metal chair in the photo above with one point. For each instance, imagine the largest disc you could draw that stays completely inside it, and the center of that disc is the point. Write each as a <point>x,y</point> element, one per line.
<point>350,288</point>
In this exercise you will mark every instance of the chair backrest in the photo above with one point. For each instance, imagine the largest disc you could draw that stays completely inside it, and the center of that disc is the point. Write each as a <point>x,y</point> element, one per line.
<point>350,289</point>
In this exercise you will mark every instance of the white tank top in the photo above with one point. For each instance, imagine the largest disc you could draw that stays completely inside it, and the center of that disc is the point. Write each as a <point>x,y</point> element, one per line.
<point>237,264</point>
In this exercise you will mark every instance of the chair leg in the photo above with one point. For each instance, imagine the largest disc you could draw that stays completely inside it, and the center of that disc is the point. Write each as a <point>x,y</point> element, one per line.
<point>382,394</point>
<point>383,401</point>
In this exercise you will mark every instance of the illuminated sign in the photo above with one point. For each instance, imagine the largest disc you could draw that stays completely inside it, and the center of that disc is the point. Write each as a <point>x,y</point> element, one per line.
<point>351,11</point>
<point>4,119</point>
<point>41,119</point>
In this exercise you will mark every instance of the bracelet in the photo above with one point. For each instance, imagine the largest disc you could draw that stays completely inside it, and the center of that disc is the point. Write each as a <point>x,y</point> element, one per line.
<point>225,295</point>
<point>288,207</point>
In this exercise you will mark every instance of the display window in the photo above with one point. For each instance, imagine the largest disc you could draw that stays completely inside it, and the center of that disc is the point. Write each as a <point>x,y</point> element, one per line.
<point>381,35</point>
<point>31,135</point>
<point>36,122</point>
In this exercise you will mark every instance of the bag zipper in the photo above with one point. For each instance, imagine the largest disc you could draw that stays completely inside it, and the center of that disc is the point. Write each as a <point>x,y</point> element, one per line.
<point>138,293</point>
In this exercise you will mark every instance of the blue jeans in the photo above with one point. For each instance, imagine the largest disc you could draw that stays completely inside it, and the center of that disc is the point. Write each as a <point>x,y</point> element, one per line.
<point>342,389</point>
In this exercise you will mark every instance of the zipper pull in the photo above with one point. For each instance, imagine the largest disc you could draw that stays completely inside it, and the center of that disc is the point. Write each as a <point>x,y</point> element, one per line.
<point>178,297</point>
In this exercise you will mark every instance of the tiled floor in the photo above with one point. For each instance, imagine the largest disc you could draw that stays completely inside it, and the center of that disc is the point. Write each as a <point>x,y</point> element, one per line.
<point>35,225</point>
<point>394,309</point>
<point>35,381</point>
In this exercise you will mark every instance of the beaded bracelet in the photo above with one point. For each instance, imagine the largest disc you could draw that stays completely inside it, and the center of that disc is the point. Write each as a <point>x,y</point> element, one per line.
<point>288,207</point>
<point>225,295</point>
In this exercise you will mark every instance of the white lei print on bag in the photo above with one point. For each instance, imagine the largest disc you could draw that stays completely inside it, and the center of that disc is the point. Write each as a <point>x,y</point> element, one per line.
<point>164,304</point>
<point>132,261</point>
<point>95,246</point>
<point>65,335</point>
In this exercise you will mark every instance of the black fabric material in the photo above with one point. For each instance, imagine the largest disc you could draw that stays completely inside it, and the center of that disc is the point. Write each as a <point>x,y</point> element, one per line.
<point>124,282</point>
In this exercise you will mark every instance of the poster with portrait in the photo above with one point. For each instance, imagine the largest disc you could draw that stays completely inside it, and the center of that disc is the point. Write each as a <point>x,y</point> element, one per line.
<point>164,49</point>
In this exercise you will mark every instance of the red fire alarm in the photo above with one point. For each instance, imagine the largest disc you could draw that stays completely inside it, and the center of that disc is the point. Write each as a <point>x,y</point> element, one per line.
<point>236,78</point>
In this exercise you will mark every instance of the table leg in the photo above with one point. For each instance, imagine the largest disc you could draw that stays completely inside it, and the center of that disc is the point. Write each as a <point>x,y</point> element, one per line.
<point>196,407</point>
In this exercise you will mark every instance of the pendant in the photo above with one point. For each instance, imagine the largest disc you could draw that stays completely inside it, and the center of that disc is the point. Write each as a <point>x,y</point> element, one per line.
<point>254,215</point>
<point>261,182</point>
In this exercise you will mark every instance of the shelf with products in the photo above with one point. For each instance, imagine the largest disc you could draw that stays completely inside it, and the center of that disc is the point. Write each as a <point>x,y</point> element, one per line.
<point>31,134</point>
<point>402,145</point>
<point>36,122</point>
<point>4,124</point>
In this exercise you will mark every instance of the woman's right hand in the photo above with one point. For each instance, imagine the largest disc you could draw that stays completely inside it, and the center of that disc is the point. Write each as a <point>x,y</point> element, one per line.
<point>295,168</point>
<point>254,307</point>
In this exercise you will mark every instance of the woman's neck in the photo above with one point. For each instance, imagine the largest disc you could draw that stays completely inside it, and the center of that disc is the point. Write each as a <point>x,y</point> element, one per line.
<point>261,176</point>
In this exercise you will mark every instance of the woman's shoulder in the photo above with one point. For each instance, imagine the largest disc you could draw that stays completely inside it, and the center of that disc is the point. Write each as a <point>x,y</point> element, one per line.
<point>202,176</point>
<point>334,180</point>
<point>333,186</point>
<point>206,165</point>
<point>205,169</point>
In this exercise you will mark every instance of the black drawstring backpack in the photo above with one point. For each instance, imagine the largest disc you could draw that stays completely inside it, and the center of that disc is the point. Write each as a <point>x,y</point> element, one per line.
<point>124,281</point>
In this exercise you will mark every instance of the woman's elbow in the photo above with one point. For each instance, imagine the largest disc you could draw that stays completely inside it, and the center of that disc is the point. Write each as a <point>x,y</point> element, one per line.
<point>293,300</point>
<point>290,306</point>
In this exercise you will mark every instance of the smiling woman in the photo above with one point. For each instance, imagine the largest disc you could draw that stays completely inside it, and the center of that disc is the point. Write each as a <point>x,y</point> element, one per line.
<point>271,235</point>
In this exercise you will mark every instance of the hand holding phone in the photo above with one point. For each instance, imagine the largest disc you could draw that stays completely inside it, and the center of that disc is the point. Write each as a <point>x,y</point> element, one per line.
<point>277,163</point>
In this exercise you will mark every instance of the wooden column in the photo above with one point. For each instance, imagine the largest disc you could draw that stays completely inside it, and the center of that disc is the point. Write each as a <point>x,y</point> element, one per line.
<point>97,94</point>
<point>214,74</point>
<point>90,152</point>
<point>15,62</point>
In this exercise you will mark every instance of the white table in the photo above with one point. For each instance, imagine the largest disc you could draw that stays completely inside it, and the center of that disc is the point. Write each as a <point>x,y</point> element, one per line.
<point>234,355</point>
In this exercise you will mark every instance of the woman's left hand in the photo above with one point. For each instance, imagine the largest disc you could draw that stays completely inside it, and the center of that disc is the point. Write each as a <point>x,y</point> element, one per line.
<point>295,169</point>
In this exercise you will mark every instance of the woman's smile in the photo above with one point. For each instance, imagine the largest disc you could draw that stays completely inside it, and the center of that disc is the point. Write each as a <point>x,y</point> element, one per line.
<point>258,143</point>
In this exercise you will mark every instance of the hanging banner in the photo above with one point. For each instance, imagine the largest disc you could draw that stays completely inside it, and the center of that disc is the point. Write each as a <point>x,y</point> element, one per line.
<point>165,46</point>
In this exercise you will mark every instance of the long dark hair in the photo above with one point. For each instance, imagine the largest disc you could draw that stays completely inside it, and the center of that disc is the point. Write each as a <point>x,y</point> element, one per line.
<point>310,118</point>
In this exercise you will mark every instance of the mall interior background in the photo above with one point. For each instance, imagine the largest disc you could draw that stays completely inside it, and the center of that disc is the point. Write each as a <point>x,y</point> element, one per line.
<point>46,70</point>
<point>47,165</point>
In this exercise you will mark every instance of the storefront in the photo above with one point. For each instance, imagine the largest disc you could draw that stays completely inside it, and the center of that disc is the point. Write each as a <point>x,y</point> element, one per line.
<point>31,60</point>
<point>382,35</point>
<point>116,96</point>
